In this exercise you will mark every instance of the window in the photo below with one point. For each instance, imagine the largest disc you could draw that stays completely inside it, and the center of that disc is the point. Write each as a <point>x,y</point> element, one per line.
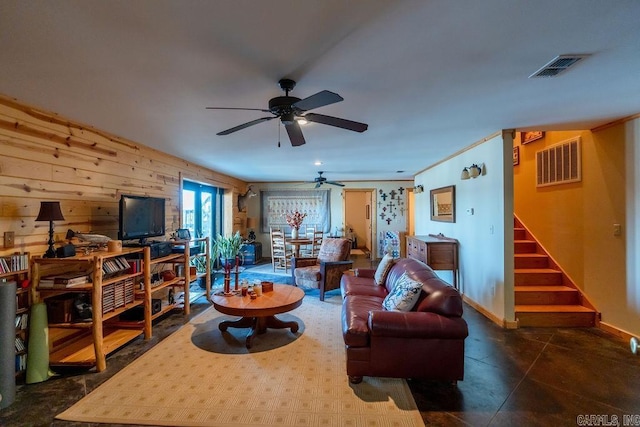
<point>202,209</point>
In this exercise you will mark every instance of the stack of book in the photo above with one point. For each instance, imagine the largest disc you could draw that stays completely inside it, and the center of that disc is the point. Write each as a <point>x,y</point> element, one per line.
<point>65,280</point>
<point>20,345</point>
<point>22,321</point>
<point>114,266</point>
<point>16,262</point>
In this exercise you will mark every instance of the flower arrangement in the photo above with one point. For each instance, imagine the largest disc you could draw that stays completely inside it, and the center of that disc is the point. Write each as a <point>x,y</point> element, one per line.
<point>294,219</point>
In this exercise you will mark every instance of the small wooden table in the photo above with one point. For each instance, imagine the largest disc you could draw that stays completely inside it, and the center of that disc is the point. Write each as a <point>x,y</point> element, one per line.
<point>296,243</point>
<point>259,314</point>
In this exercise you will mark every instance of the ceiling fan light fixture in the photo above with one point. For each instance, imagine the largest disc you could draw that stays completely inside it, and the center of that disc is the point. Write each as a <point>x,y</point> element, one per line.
<point>302,121</point>
<point>287,119</point>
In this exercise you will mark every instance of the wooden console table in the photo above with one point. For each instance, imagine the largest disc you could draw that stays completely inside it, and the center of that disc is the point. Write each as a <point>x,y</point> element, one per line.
<point>438,252</point>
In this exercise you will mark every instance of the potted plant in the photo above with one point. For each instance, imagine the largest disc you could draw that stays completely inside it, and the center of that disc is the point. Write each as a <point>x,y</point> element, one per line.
<point>227,249</point>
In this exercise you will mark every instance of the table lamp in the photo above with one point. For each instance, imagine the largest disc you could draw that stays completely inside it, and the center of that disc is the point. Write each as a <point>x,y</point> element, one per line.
<point>252,223</point>
<point>50,211</point>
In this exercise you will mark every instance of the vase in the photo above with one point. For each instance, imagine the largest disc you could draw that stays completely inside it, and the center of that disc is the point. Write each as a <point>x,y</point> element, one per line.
<point>294,233</point>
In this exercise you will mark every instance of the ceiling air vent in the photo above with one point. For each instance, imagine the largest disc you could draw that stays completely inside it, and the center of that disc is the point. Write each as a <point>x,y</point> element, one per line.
<point>557,65</point>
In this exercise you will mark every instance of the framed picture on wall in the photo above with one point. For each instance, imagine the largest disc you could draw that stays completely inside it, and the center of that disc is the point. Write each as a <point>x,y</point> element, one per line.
<point>516,155</point>
<point>527,137</point>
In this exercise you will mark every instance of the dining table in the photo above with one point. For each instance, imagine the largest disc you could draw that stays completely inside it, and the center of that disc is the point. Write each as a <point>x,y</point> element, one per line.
<point>297,243</point>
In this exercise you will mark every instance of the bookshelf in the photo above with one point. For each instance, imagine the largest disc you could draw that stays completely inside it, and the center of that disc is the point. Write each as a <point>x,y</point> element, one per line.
<point>15,268</point>
<point>78,336</point>
<point>122,284</point>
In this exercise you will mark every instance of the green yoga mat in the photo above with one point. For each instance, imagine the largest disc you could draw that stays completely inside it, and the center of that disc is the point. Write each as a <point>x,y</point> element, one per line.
<point>38,349</point>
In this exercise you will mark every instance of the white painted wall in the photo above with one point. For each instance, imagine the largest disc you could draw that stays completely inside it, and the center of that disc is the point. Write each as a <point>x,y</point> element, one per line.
<point>399,223</point>
<point>486,237</point>
<point>625,311</point>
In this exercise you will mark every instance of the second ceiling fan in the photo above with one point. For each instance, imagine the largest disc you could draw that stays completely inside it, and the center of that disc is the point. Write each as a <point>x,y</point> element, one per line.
<point>289,108</point>
<point>320,180</point>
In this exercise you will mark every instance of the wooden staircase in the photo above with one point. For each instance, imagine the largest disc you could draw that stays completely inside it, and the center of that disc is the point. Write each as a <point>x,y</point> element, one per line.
<point>544,294</point>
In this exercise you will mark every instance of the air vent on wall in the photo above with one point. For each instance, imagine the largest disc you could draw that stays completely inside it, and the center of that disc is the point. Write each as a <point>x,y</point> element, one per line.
<point>559,164</point>
<point>557,65</point>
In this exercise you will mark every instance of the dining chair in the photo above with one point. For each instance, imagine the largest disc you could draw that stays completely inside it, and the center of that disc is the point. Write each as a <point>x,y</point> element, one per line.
<point>307,251</point>
<point>280,254</point>
<point>318,235</point>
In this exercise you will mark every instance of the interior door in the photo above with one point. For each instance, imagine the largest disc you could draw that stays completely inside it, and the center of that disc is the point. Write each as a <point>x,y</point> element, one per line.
<point>358,216</point>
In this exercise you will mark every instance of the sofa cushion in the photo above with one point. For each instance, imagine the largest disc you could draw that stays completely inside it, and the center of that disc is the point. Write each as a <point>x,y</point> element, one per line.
<point>333,249</point>
<point>439,297</point>
<point>355,285</point>
<point>307,277</point>
<point>404,294</point>
<point>383,269</point>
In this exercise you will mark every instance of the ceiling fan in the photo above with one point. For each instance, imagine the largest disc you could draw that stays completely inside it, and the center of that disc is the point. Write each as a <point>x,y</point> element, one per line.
<point>288,108</point>
<point>319,180</point>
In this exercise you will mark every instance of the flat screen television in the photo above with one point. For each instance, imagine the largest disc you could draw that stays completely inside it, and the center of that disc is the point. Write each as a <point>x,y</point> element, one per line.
<point>141,217</point>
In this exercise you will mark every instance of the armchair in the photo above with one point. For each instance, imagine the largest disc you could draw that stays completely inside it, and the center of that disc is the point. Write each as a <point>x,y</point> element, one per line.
<point>325,271</point>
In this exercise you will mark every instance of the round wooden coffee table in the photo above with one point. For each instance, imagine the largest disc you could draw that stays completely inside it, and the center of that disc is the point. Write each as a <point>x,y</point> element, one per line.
<point>259,314</point>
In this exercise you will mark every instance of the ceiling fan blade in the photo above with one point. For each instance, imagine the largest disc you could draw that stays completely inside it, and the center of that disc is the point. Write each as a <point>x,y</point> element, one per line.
<point>334,183</point>
<point>320,99</point>
<point>295,134</point>
<point>245,125</point>
<point>318,184</point>
<point>233,108</point>
<point>337,122</point>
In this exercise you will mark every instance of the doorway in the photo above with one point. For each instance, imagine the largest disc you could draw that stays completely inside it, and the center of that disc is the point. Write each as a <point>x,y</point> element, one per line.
<point>202,209</point>
<point>358,218</point>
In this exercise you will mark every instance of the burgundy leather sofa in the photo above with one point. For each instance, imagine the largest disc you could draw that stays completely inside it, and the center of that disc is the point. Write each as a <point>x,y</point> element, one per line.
<point>426,342</point>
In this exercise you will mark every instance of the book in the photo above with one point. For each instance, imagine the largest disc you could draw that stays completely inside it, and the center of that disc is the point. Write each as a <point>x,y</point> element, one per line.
<point>73,278</point>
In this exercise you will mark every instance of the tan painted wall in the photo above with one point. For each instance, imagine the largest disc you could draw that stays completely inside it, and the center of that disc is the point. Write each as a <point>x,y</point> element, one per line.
<point>47,157</point>
<point>575,222</point>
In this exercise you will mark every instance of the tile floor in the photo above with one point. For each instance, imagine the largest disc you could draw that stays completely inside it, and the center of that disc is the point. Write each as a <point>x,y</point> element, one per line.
<point>525,377</point>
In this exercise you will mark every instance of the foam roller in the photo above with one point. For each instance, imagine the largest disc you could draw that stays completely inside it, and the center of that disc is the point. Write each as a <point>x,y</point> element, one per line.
<point>7,343</point>
<point>38,350</point>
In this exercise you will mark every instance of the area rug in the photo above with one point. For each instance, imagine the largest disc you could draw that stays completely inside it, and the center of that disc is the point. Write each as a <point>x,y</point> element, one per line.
<point>200,376</point>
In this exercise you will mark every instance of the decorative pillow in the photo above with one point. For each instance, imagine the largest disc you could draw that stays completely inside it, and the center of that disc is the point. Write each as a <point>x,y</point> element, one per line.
<point>404,295</point>
<point>383,269</point>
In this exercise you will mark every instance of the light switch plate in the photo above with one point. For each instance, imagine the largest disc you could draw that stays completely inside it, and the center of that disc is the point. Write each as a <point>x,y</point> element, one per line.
<point>9,239</point>
<point>617,229</point>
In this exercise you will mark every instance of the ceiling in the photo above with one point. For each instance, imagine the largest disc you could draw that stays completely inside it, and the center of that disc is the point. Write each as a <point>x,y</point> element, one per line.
<point>429,77</point>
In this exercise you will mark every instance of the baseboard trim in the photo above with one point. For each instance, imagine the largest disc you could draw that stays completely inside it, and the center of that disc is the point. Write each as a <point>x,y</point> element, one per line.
<point>620,333</point>
<point>503,323</point>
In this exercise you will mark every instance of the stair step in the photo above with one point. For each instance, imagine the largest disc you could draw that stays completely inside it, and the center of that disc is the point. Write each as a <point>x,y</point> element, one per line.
<point>546,295</point>
<point>531,261</point>
<point>524,246</point>
<point>555,316</point>
<point>519,234</point>
<point>537,277</point>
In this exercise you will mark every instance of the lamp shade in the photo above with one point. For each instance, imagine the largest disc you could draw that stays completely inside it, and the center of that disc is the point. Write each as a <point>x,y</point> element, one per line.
<point>465,174</point>
<point>50,211</point>
<point>474,171</point>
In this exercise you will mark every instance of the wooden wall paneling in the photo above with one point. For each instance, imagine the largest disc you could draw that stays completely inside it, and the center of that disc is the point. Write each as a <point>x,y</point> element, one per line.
<point>46,157</point>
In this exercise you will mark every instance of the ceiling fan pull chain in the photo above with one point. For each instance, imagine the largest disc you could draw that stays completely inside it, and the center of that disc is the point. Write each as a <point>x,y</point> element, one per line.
<point>279,126</point>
